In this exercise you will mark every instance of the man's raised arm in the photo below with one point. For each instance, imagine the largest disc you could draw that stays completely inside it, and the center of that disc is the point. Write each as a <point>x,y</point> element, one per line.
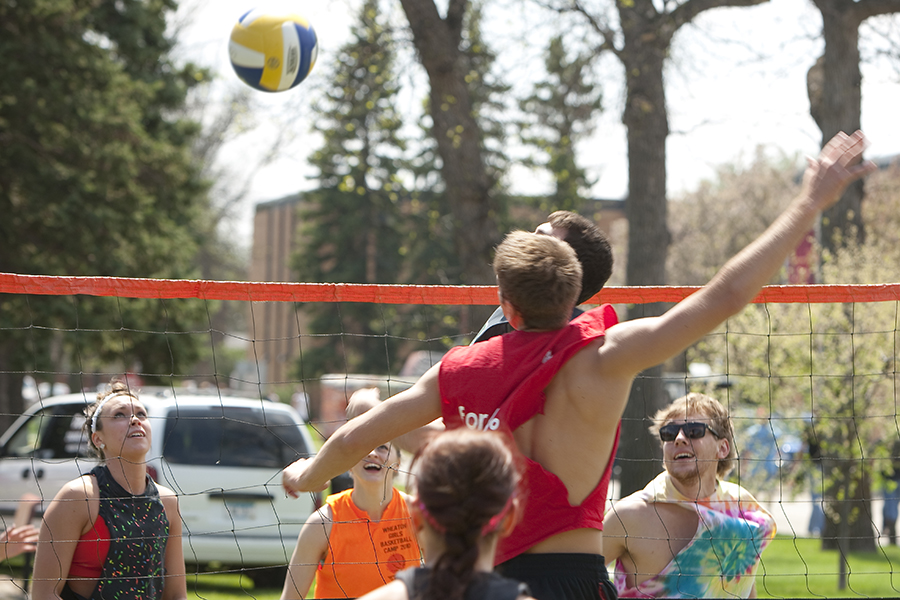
<point>633,346</point>
<point>399,414</point>
<point>366,399</point>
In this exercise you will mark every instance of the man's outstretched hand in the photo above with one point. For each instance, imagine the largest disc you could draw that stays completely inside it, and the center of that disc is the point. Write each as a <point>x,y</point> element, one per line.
<point>839,164</point>
<point>292,479</point>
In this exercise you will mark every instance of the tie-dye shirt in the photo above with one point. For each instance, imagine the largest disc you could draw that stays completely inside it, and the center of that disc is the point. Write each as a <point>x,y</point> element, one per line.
<point>721,559</point>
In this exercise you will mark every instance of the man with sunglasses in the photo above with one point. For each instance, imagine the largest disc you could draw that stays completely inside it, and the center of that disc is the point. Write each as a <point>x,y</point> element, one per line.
<point>558,388</point>
<point>689,533</point>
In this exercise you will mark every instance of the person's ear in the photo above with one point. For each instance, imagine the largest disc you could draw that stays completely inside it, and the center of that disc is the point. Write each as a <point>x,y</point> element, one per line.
<point>416,515</point>
<point>724,448</point>
<point>512,314</point>
<point>512,518</point>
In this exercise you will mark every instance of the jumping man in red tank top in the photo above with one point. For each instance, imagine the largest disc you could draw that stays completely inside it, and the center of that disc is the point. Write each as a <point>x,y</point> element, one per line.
<point>559,389</point>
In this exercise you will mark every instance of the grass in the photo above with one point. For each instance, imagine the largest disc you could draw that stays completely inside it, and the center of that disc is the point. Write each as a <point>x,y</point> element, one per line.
<point>791,568</point>
<point>799,568</point>
<point>206,586</point>
<point>227,587</point>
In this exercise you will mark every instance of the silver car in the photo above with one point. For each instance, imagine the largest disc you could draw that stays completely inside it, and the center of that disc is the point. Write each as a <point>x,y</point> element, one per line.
<point>221,454</point>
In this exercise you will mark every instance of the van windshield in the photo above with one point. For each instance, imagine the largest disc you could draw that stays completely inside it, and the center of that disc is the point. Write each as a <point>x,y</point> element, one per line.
<point>232,437</point>
<point>52,432</point>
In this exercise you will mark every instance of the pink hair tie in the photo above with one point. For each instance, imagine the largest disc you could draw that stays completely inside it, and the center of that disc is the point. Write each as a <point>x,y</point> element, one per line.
<point>492,525</point>
<point>430,518</point>
<point>489,527</point>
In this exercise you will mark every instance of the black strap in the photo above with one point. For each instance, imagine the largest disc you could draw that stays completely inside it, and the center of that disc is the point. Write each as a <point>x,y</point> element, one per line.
<point>485,586</point>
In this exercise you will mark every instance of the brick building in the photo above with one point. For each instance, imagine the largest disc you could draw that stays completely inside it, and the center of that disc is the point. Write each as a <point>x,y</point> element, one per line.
<point>274,326</point>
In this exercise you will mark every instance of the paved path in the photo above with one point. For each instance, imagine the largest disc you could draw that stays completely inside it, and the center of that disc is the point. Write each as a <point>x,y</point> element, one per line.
<point>11,589</point>
<point>792,515</point>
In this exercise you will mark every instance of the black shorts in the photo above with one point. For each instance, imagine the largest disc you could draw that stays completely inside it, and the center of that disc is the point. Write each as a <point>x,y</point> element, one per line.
<point>561,576</point>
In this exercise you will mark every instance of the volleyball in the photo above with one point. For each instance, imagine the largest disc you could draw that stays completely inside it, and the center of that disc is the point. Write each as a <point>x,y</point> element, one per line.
<point>272,51</point>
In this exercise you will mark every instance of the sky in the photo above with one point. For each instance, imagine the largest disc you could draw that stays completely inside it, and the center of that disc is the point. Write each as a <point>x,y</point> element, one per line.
<point>736,81</point>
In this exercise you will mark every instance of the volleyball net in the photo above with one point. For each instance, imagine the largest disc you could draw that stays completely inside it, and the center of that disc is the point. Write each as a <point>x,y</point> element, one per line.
<point>808,374</point>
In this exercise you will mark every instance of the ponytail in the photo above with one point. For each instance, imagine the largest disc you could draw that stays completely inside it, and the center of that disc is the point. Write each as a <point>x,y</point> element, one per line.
<point>465,483</point>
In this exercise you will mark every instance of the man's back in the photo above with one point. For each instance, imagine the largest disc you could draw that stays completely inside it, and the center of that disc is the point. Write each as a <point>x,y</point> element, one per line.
<point>533,384</point>
<point>576,422</point>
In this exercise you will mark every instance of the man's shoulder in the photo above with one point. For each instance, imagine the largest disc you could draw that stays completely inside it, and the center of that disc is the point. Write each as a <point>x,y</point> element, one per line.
<point>632,515</point>
<point>734,491</point>
<point>634,506</point>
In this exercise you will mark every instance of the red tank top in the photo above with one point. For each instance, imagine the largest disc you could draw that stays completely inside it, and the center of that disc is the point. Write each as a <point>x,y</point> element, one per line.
<point>91,551</point>
<point>499,384</point>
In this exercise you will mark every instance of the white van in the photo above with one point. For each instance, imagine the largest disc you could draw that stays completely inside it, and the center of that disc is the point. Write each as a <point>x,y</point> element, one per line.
<point>221,454</point>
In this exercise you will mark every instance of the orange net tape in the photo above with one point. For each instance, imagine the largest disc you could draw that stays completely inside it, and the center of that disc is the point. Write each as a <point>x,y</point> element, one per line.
<point>258,291</point>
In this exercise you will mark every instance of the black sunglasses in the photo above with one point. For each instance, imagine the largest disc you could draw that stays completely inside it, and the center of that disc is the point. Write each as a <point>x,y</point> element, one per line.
<point>692,431</point>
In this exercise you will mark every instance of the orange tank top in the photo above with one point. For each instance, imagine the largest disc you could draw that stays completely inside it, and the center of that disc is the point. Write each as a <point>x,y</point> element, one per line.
<point>364,555</point>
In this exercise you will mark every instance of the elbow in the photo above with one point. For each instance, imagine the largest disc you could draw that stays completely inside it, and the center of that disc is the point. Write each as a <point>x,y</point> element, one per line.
<point>730,299</point>
<point>735,301</point>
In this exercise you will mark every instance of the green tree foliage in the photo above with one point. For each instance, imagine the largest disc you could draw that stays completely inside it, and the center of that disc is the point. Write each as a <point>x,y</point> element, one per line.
<point>826,372</point>
<point>559,113</point>
<point>352,225</point>
<point>488,92</point>
<point>438,35</point>
<point>95,177</point>
<point>640,35</point>
<point>380,217</point>
<point>433,235</point>
<point>434,256</point>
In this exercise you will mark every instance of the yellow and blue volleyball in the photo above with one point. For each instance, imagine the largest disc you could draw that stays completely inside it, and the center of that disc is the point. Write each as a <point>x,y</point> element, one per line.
<point>272,52</point>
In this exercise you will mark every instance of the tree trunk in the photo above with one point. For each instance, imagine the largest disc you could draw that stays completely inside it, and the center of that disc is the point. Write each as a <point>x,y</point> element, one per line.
<point>457,133</point>
<point>848,508</point>
<point>640,454</point>
<point>839,108</point>
<point>11,403</point>
<point>648,127</point>
<point>647,121</point>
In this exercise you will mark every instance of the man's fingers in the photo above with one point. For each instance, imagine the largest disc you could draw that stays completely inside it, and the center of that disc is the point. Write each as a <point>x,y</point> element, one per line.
<point>853,149</point>
<point>862,169</point>
<point>843,149</point>
<point>834,145</point>
<point>291,479</point>
<point>289,476</point>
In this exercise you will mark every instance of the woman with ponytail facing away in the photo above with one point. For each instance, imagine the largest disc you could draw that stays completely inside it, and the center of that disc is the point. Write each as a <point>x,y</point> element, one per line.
<point>465,484</point>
